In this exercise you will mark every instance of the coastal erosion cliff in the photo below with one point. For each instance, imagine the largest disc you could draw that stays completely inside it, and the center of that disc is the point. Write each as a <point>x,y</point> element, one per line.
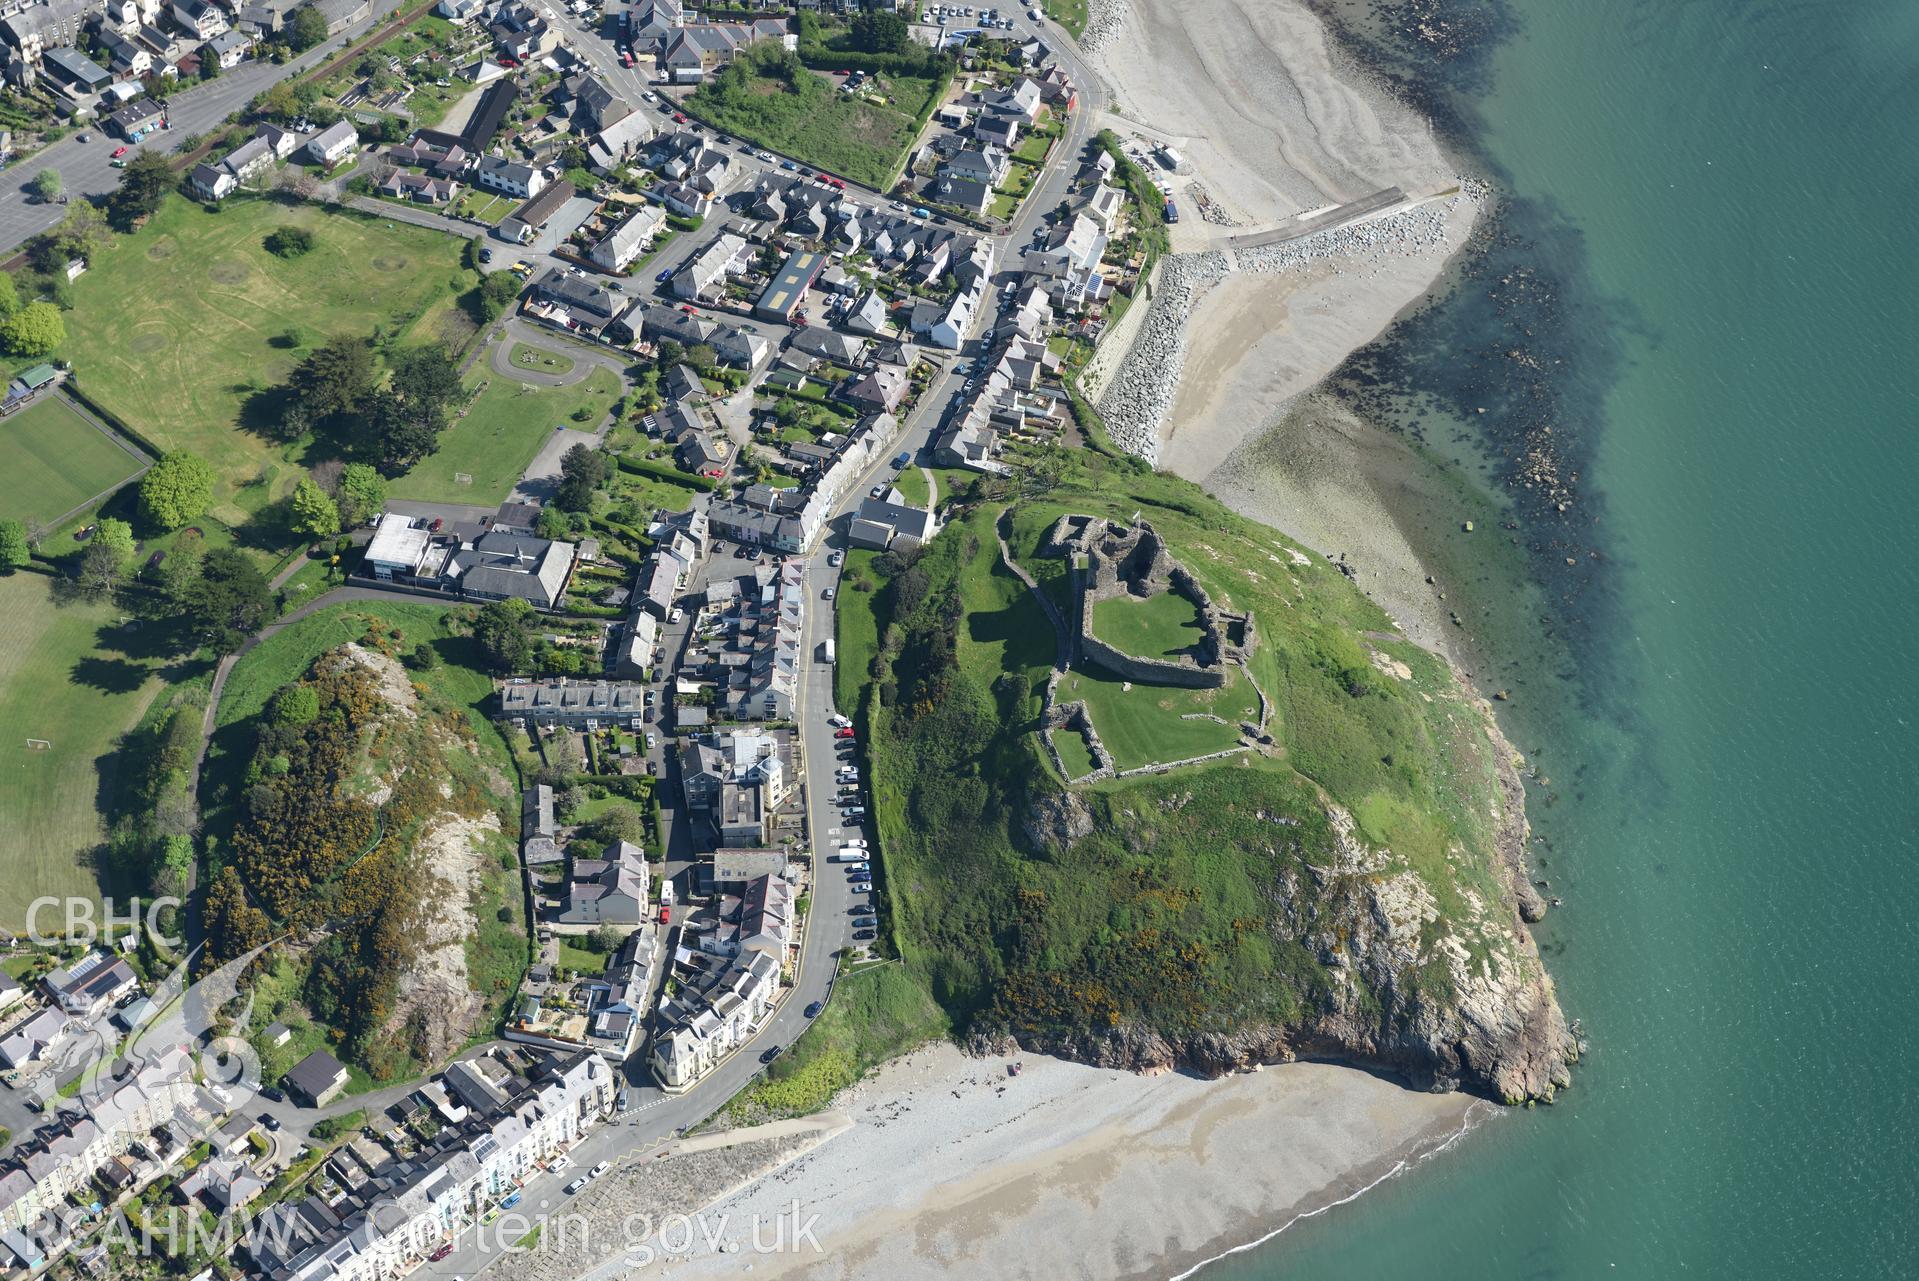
<point>1389,973</point>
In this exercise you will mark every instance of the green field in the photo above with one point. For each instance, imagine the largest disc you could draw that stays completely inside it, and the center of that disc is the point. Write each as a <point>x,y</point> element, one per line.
<point>54,685</point>
<point>767,97</point>
<point>55,460</point>
<point>1148,723</point>
<point>856,632</point>
<point>501,431</point>
<point>176,326</point>
<point>1162,625</point>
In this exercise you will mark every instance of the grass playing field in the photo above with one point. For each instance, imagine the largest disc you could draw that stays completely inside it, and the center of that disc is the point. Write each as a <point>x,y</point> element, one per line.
<point>54,460</point>
<point>54,685</point>
<point>1162,625</point>
<point>500,433</point>
<point>177,325</point>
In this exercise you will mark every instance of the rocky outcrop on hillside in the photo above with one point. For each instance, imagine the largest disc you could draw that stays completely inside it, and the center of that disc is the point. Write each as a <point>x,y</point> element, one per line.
<point>434,1008</point>
<point>1446,1001</point>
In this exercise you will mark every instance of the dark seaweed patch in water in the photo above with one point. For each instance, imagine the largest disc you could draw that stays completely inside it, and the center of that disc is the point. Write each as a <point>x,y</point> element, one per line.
<point>1522,349</point>
<point>1435,54</point>
<point>1524,357</point>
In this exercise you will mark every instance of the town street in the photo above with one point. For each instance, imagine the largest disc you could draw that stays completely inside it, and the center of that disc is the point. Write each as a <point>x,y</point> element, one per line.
<point>88,168</point>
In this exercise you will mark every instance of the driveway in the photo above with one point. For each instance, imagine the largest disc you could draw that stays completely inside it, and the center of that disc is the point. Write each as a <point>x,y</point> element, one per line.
<point>542,477</point>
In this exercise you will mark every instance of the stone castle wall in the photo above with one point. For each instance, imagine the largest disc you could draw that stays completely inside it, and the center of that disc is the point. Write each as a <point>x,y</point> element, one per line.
<point>1109,560</point>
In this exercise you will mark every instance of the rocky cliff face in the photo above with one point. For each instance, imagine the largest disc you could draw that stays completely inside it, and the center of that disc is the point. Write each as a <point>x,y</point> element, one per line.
<point>1453,1001</point>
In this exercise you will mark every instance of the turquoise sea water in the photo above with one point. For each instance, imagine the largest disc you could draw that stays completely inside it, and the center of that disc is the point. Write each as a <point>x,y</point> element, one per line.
<point>1735,834</point>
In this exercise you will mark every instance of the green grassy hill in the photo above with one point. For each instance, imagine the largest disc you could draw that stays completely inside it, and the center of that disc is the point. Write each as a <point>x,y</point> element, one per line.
<point>1346,888</point>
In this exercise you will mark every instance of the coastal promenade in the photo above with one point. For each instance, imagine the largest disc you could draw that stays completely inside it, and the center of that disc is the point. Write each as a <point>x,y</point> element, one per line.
<point>1389,200</point>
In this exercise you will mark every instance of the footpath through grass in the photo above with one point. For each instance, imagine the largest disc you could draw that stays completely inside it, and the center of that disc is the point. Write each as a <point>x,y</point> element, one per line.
<point>500,434</point>
<point>176,326</point>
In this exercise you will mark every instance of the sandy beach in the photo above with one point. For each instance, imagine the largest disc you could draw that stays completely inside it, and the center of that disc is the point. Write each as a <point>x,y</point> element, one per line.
<point>952,1168</point>
<point>1274,122</point>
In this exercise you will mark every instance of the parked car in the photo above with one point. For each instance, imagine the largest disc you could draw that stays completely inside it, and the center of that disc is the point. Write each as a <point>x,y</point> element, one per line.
<point>440,1253</point>
<point>600,1169</point>
<point>118,152</point>
<point>559,1163</point>
<point>767,1056</point>
<point>845,732</point>
<point>813,1011</point>
<point>827,594</point>
<point>576,1185</point>
<point>835,559</point>
<point>664,274</point>
<point>864,936</point>
<point>866,923</point>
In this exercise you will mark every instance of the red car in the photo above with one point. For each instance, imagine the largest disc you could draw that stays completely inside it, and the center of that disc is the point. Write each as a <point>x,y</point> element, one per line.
<point>626,59</point>
<point>440,1253</point>
<point>118,152</point>
<point>679,117</point>
<point>843,733</point>
<point>688,310</point>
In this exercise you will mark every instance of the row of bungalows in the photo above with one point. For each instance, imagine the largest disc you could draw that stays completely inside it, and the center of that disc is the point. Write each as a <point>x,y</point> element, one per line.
<point>734,345</point>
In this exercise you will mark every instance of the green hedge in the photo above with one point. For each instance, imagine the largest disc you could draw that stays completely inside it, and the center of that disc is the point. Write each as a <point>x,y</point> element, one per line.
<point>672,475</point>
